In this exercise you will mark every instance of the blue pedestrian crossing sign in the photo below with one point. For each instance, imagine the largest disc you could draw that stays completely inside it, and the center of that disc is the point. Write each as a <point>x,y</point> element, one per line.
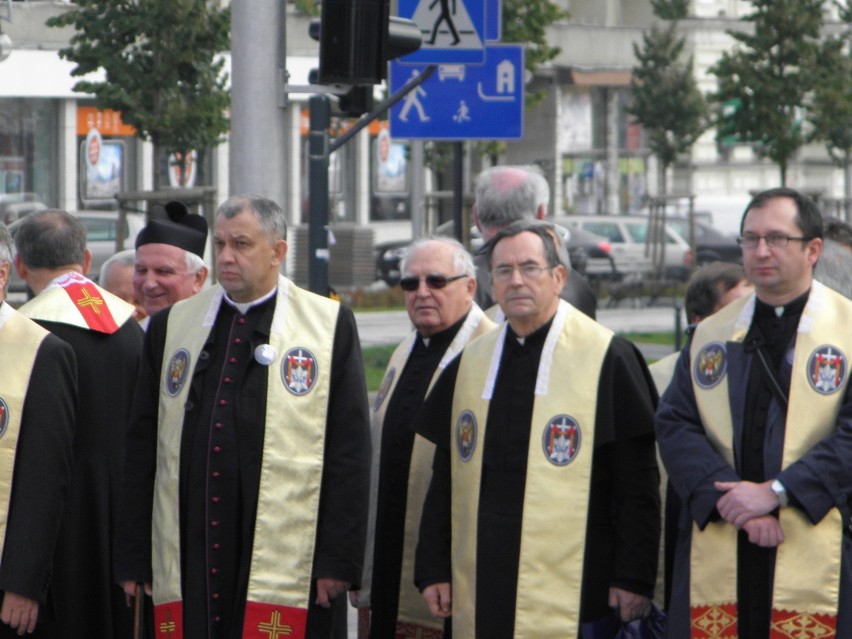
<point>453,31</point>
<point>463,102</point>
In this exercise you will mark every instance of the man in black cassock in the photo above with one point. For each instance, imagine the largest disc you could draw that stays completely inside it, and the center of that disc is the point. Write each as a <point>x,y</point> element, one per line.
<point>618,546</point>
<point>37,466</point>
<point>439,284</point>
<point>250,438</point>
<point>52,258</point>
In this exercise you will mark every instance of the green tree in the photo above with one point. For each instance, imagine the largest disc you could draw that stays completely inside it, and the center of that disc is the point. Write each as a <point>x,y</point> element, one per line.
<point>830,109</point>
<point>666,100</point>
<point>161,65</point>
<point>771,71</point>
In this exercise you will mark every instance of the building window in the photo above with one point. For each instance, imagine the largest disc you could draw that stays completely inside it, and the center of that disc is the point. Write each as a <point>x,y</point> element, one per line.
<point>29,135</point>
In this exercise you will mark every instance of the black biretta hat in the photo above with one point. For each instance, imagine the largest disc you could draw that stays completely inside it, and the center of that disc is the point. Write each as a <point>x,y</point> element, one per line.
<point>173,224</point>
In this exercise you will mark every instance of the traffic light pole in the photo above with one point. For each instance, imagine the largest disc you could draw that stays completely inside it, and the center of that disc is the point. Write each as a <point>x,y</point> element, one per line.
<point>320,149</point>
<point>318,154</point>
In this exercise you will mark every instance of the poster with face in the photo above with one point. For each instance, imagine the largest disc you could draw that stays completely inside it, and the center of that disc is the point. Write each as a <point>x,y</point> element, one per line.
<point>391,165</point>
<point>104,166</point>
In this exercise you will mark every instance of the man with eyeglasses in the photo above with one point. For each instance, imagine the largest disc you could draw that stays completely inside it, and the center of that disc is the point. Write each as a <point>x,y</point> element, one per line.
<point>439,284</point>
<point>755,431</point>
<point>506,194</point>
<point>543,509</point>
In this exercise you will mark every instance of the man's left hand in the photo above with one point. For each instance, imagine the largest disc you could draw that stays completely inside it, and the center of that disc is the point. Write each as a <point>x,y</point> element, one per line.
<point>328,589</point>
<point>744,500</point>
<point>630,606</point>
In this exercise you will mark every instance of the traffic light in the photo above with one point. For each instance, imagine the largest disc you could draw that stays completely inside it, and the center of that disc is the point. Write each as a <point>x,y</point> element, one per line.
<point>353,41</point>
<point>358,100</point>
<point>354,50</point>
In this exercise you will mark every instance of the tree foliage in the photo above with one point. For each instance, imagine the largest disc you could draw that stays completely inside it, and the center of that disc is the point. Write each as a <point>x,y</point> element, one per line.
<point>830,109</point>
<point>770,73</point>
<point>666,100</point>
<point>161,65</point>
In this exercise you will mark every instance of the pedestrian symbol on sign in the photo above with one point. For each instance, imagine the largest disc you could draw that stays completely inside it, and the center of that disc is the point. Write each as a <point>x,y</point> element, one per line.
<point>412,100</point>
<point>446,24</point>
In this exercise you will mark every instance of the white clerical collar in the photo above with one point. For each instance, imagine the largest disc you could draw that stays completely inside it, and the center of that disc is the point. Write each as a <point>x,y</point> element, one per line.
<point>243,308</point>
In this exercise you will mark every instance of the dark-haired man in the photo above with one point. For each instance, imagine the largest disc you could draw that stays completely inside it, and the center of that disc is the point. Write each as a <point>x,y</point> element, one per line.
<point>506,194</point>
<point>755,431</point>
<point>543,509</point>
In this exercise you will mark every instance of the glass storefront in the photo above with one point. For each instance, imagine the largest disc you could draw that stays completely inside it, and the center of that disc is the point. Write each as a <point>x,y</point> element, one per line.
<point>29,135</point>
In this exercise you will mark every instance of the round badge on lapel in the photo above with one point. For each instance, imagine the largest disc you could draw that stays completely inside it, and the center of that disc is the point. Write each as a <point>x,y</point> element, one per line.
<point>710,365</point>
<point>826,369</point>
<point>299,370</point>
<point>265,354</point>
<point>177,372</point>
<point>561,440</point>
<point>466,433</point>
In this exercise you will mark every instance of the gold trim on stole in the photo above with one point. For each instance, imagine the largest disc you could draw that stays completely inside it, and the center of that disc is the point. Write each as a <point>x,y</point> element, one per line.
<point>20,339</point>
<point>713,560</point>
<point>291,470</point>
<point>552,546</point>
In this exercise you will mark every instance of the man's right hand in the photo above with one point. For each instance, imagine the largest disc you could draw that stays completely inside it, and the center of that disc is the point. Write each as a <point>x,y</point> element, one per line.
<point>440,600</point>
<point>129,588</point>
<point>764,531</point>
<point>19,612</point>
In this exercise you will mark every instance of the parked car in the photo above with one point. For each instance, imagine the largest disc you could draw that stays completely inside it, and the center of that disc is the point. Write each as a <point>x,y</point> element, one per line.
<point>101,234</point>
<point>580,244</point>
<point>15,206</point>
<point>711,244</point>
<point>630,250</point>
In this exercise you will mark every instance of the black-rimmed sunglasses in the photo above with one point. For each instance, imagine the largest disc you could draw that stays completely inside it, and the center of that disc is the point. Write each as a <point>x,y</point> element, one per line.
<point>412,283</point>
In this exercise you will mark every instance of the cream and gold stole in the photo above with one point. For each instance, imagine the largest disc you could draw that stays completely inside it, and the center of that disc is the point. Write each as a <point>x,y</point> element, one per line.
<point>20,339</point>
<point>291,470</point>
<point>412,608</point>
<point>807,566</point>
<point>559,467</point>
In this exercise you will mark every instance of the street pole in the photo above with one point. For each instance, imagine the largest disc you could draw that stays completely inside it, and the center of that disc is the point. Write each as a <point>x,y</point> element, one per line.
<point>458,189</point>
<point>258,140</point>
<point>318,154</point>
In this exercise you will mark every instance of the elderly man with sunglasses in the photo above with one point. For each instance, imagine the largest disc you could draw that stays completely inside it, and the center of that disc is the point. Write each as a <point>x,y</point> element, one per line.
<point>755,431</point>
<point>543,508</point>
<point>439,283</point>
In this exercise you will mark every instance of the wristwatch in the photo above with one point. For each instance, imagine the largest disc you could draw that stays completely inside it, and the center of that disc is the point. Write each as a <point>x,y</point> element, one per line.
<point>780,492</point>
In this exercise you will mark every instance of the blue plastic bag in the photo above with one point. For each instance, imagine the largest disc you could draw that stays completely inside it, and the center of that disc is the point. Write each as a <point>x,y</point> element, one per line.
<point>651,627</point>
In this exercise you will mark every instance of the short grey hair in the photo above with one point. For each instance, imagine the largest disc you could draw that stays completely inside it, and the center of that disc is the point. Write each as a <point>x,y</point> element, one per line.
<point>269,214</point>
<point>501,200</point>
<point>193,262</point>
<point>834,268</point>
<point>127,257</point>
<point>6,244</point>
<point>462,261</point>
